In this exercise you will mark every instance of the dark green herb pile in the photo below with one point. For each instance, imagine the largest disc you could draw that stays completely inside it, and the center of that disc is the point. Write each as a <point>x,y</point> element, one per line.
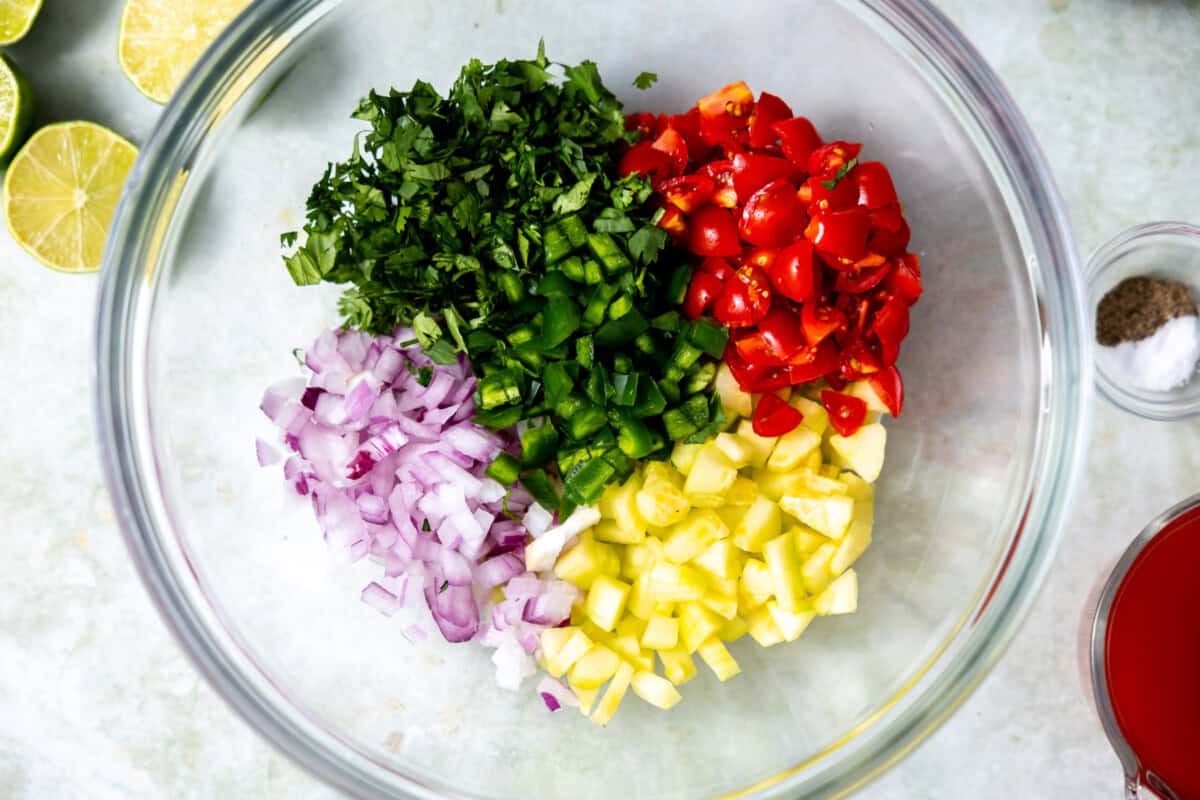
<point>492,221</point>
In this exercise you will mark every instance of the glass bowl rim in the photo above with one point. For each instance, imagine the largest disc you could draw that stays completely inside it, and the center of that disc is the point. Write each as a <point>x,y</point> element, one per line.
<point>929,697</point>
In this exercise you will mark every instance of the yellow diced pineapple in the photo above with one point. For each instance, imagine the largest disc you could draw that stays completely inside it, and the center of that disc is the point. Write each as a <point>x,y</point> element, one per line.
<point>814,461</point>
<point>863,390</point>
<point>820,483</point>
<point>606,601</point>
<point>774,485</point>
<point>756,578</point>
<point>594,668</point>
<point>827,515</point>
<point>683,456</point>
<point>587,699</point>
<point>641,597</point>
<point>863,451</point>
<point>857,538</point>
<point>726,587</point>
<point>792,448</point>
<point>631,626</point>
<point>613,695</point>
<point>573,649</point>
<point>840,597</point>
<point>761,522</point>
<point>790,623</point>
<point>552,641</point>
<point>816,418</point>
<point>762,628</point>
<point>718,658</point>
<point>661,501</point>
<point>608,530</point>
<point>807,540</point>
<point>832,471</point>
<point>665,609</point>
<point>583,561</point>
<point>662,633</point>
<point>597,634</point>
<point>733,630</point>
<point>676,583</point>
<point>656,471</point>
<point>713,473</point>
<point>735,449</point>
<point>742,493</point>
<point>816,568</point>
<point>655,689</point>
<point>735,402</point>
<point>731,514</point>
<point>677,665</point>
<point>723,605</point>
<point>696,623</point>
<point>619,504</point>
<point>856,487</point>
<point>636,558</point>
<point>696,532</point>
<point>783,564</point>
<point>628,648</point>
<point>721,559</point>
<point>760,446</point>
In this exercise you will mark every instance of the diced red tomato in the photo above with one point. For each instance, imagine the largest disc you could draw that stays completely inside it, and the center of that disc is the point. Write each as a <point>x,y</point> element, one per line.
<point>718,267</point>
<point>889,386</point>
<point>890,243</point>
<point>735,100</point>
<point>819,321</point>
<point>688,192</point>
<point>773,417</point>
<point>642,122</point>
<point>798,139</point>
<point>818,197</point>
<point>762,257</point>
<point>840,234</point>
<point>826,160</point>
<point>688,125</point>
<point>846,412</point>
<point>643,159</point>
<point>861,281</point>
<point>890,327</point>
<point>746,298</point>
<point>712,231</point>
<point>773,216</point>
<point>905,279</point>
<point>813,362</point>
<point>767,111</point>
<point>874,184</point>
<point>702,293</point>
<point>675,224</point>
<point>781,332</point>
<point>673,144</point>
<point>858,361</point>
<point>753,172</point>
<point>792,271</point>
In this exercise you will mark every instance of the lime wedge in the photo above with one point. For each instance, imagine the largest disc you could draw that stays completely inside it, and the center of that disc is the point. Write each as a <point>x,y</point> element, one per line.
<point>160,40</point>
<point>16,108</point>
<point>61,191</point>
<point>16,18</point>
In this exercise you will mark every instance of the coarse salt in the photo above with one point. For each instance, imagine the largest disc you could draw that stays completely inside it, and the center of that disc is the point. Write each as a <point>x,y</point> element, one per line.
<point>1162,361</point>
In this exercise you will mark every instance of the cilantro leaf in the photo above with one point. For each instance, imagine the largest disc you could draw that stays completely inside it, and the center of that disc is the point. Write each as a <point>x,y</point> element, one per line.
<point>841,173</point>
<point>645,80</point>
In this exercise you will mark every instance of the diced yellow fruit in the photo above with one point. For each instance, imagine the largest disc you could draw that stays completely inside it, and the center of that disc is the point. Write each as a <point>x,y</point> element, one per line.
<point>683,456</point>
<point>628,648</point>
<point>774,485</point>
<point>576,646</point>
<point>735,449</point>
<point>655,471</point>
<point>856,487</point>
<point>862,452</point>
<point>863,390</point>
<point>613,695</point>
<point>790,623</point>
<point>721,559</point>
<point>578,615</point>
<point>636,558</point>
<point>641,597</point>
<point>827,515</point>
<point>661,501</point>
<point>742,493</point>
<point>677,665</point>
<point>807,540</point>
<point>587,699</point>
<point>597,634</point>
<point>816,418</point>
<point>664,609</point>
<point>607,530</point>
<point>594,668</point>
<point>735,402</point>
<point>662,633</point>
<point>760,446</point>
<point>552,641</point>
<point>762,628</point>
<point>723,605</point>
<point>583,561</point>
<point>696,532</point>
<point>856,540</point>
<point>761,522</point>
<point>712,501</point>
<point>733,630</point>
<point>696,623</point>
<point>732,515</point>
<point>713,473</point>
<point>715,654</point>
<point>792,448</point>
<point>756,578</point>
<point>620,505</point>
<point>676,583</point>
<point>840,597</point>
<point>820,482</point>
<point>832,471</point>
<point>606,601</point>
<point>816,568</point>
<point>783,564</point>
<point>726,587</point>
<point>813,463</point>
<point>631,626</point>
<point>748,602</point>
<point>655,689</point>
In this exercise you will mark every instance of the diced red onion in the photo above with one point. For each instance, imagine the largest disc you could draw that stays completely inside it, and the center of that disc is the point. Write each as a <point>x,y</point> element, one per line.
<point>267,455</point>
<point>380,599</point>
<point>537,520</point>
<point>556,694</point>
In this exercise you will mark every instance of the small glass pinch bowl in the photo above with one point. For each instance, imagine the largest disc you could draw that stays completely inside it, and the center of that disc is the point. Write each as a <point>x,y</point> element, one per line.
<point>1169,250</point>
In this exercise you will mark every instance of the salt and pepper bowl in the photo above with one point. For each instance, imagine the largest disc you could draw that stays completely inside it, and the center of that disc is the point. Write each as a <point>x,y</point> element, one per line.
<point>1168,250</point>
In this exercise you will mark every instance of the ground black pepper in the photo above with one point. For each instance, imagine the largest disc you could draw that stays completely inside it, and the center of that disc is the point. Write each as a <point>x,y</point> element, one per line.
<point>1136,307</point>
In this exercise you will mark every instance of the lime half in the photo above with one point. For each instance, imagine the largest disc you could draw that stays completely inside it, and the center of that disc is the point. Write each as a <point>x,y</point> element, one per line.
<point>160,40</point>
<point>16,18</point>
<point>16,108</point>
<point>61,190</point>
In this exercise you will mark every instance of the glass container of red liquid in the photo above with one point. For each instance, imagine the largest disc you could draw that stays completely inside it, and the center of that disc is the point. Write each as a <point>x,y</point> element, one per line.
<point>1146,657</point>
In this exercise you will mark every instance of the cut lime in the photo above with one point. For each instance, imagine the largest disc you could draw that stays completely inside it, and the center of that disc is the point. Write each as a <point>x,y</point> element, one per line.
<point>61,191</point>
<point>160,40</point>
<point>16,108</point>
<point>16,18</point>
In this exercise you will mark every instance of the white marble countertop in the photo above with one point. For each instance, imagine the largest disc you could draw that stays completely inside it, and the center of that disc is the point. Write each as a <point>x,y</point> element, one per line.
<point>97,701</point>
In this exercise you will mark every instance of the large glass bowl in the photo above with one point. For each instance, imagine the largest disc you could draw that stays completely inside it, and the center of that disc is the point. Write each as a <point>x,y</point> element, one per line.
<point>198,315</point>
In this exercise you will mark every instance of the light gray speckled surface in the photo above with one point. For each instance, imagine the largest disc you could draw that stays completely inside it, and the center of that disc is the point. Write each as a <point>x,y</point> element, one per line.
<point>96,701</point>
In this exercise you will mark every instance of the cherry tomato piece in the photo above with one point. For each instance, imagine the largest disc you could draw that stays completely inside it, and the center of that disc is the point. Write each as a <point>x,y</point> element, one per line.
<point>735,100</point>
<point>813,362</point>
<point>687,192</point>
<point>798,138</point>
<point>701,294</point>
<point>753,172</point>
<point>688,125</point>
<point>818,197</point>
<point>890,327</point>
<point>819,321</point>
<point>712,231</point>
<point>890,243</point>
<point>643,122</point>
<point>826,160</point>
<point>792,272</point>
<point>858,361</point>
<point>773,417</point>
<point>673,144</point>
<point>767,111</point>
<point>746,298</point>
<point>782,333</point>
<point>675,224</point>
<point>846,412</point>
<point>861,281</point>
<point>773,216</point>
<point>874,184</point>
<point>905,280</point>
<point>889,386</point>
<point>643,159</point>
<point>840,234</point>
<point>718,267</point>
